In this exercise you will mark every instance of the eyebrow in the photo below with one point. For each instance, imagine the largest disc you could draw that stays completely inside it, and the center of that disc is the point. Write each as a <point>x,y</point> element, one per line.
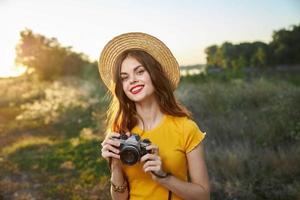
<point>136,68</point>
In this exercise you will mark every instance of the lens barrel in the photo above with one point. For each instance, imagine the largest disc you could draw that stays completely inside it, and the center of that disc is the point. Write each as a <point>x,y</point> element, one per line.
<point>129,155</point>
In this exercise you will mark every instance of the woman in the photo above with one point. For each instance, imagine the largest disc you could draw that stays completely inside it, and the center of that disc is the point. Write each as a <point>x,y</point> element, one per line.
<point>142,74</point>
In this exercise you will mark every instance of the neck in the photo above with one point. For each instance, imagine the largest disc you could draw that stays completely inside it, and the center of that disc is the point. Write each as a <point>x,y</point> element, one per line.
<point>150,113</point>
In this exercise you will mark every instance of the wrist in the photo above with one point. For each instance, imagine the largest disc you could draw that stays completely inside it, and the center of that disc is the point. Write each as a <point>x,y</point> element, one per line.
<point>119,188</point>
<point>162,175</point>
<point>164,180</point>
<point>115,164</point>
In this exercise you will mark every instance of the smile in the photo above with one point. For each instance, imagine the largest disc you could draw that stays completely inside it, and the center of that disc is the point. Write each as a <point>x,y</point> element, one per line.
<point>136,89</point>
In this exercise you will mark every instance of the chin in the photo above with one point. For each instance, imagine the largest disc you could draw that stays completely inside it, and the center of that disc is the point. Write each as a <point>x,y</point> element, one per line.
<point>139,97</point>
<point>135,98</point>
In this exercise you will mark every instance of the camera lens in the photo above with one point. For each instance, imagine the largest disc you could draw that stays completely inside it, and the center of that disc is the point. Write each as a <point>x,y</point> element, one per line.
<point>129,155</point>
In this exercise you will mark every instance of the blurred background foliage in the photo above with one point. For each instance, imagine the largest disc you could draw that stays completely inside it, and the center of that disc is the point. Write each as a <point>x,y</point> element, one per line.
<point>52,121</point>
<point>50,60</point>
<point>284,49</point>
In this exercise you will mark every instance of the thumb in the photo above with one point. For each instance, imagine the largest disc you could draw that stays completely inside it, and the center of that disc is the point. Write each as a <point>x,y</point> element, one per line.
<point>128,134</point>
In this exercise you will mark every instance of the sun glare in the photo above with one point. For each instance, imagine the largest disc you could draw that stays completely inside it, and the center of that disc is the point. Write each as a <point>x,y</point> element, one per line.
<point>15,71</point>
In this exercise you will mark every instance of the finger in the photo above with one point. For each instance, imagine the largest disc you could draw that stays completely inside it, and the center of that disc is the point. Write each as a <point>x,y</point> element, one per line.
<point>111,148</point>
<point>146,157</point>
<point>114,134</point>
<point>128,134</point>
<point>154,148</point>
<point>152,169</point>
<point>109,137</point>
<point>149,157</point>
<point>107,154</point>
<point>113,142</point>
<point>152,163</point>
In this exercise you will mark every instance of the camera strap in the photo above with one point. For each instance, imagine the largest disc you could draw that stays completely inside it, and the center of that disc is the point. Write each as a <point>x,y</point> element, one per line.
<point>159,176</point>
<point>170,195</point>
<point>109,163</point>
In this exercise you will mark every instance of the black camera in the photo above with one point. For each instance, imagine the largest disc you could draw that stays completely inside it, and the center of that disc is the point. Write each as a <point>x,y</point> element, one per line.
<point>132,148</point>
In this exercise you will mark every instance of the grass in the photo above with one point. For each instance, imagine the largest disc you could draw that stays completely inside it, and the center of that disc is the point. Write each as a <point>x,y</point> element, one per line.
<point>50,134</point>
<point>253,134</point>
<point>68,169</point>
<point>263,111</point>
<point>24,143</point>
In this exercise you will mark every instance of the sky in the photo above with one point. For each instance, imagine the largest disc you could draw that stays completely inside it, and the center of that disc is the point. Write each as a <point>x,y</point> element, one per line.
<point>187,27</point>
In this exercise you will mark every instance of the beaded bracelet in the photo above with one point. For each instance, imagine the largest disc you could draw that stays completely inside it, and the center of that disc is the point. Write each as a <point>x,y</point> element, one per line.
<point>119,189</point>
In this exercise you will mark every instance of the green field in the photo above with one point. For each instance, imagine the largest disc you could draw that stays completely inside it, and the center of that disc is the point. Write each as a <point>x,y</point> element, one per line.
<point>50,135</point>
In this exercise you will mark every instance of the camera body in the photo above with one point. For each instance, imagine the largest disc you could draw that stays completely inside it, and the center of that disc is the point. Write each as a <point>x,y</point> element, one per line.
<point>132,148</point>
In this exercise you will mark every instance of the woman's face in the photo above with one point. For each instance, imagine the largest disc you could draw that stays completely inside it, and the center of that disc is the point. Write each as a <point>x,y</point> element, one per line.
<point>136,81</point>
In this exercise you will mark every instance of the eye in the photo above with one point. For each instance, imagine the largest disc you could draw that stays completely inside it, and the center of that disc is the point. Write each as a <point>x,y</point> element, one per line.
<point>141,71</point>
<point>124,78</point>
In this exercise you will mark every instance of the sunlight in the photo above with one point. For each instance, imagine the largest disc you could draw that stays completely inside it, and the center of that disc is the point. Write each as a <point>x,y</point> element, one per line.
<point>15,71</point>
<point>7,65</point>
<point>25,142</point>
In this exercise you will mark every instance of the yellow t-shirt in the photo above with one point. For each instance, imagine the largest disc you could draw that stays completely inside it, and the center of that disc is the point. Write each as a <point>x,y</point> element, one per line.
<point>175,137</point>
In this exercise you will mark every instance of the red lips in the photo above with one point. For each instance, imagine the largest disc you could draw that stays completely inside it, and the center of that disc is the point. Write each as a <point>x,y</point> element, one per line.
<point>136,89</point>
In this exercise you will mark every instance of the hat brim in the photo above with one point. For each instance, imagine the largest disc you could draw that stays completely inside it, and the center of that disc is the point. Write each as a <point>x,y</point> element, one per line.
<point>141,41</point>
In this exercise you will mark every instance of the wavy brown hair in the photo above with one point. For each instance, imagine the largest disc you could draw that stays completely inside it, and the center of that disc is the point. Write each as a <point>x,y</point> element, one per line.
<point>122,114</point>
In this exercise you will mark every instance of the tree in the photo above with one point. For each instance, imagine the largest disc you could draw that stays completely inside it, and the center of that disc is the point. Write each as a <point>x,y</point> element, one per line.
<point>211,55</point>
<point>284,49</point>
<point>259,58</point>
<point>286,45</point>
<point>47,57</point>
<point>227,53</point>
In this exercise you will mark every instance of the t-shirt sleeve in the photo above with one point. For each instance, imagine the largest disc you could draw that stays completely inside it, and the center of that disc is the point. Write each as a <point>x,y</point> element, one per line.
<point>192,135</point>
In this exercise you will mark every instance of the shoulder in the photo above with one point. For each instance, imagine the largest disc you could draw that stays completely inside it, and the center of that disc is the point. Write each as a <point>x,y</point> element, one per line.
<point>185,126</point>
<point>186,131</point>
<point>184,123</point>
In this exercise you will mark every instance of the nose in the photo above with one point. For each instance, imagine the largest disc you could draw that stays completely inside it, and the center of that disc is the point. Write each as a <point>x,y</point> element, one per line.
<point>133,79</point>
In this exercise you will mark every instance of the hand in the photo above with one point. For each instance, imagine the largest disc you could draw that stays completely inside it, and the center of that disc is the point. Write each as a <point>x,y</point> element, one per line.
<point>110,147</point>
<point>153,162</point>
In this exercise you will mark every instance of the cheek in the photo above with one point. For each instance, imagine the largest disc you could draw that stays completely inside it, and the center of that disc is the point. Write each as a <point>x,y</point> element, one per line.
<point>125,87</point>
<point>149,81</point>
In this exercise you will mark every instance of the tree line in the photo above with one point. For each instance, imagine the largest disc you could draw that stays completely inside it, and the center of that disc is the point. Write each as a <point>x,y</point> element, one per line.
<point>284,49</point>
<point>49,60</point>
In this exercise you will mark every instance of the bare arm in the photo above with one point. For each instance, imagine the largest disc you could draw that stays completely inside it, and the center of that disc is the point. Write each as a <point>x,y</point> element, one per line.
<point>198,188</point>
<point>110,151</point>
<point>118,178</point>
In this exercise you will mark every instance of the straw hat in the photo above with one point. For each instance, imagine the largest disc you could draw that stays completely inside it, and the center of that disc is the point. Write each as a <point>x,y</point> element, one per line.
<point>140,41</point>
